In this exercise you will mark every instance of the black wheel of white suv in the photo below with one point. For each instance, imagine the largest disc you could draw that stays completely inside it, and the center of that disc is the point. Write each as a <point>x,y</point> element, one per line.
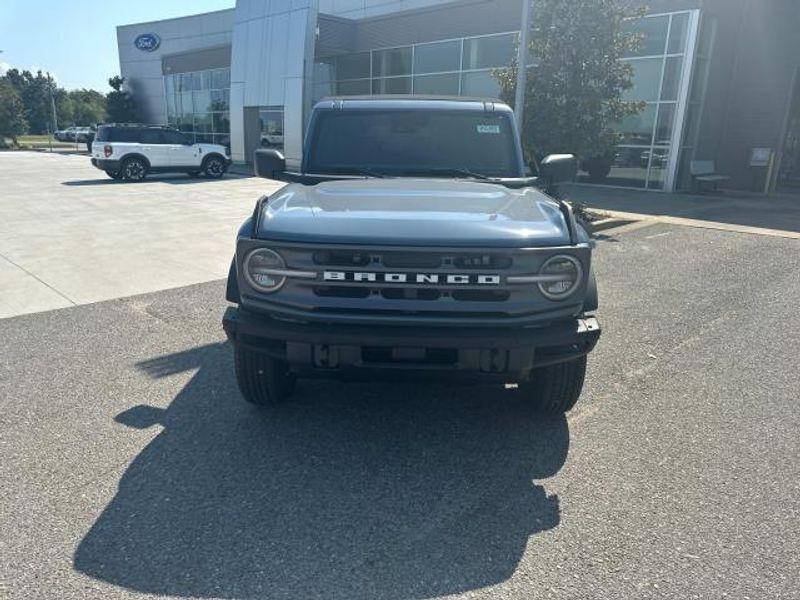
<point>133,169</point>
<point>554,390</point>
<point>262,380</point>
<point>214,167</point>
<point>114,174</point>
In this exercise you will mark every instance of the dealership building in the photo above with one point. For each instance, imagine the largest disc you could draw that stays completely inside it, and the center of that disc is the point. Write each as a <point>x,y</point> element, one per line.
<point>719,78</point>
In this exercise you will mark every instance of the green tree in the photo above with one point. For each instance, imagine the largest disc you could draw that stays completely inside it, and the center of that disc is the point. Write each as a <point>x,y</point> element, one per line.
<point>120,105</point>
<point>12,112</point>
<point>574,92</point>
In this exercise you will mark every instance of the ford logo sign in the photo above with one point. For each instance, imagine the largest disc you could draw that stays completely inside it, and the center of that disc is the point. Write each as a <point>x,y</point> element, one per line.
<point>147,42</point>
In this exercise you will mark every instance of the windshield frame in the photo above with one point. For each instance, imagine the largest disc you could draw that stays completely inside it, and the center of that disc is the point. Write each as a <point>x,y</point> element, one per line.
<point>516,164</point>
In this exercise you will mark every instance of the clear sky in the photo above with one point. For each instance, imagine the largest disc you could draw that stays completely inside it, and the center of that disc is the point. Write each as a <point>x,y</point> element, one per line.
<point>76,40</point>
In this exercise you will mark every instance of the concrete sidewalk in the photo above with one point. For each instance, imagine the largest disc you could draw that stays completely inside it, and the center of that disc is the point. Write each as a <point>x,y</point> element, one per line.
<point>776,213</point>
<point>70,235</point>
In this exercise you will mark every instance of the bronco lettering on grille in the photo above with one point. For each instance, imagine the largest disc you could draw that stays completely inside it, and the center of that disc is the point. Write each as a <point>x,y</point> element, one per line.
<point>413,278</point>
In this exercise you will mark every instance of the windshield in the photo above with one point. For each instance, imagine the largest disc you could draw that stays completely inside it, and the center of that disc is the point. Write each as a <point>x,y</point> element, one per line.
<point>433,143</point>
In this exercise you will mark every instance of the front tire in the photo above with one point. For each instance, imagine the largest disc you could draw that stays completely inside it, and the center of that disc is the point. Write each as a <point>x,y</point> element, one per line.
<point>214,167</point>
<point>114,175</point>
<point>263,381</point>
<point>554,390</point>
<point>134,169</point>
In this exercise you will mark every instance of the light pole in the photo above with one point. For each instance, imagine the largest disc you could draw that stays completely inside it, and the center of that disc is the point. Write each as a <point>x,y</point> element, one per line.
<point>52,102</point>
<point>522,64</point>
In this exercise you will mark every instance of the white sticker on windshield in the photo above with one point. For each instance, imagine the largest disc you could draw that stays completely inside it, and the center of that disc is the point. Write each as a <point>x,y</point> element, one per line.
<point>495,129</point>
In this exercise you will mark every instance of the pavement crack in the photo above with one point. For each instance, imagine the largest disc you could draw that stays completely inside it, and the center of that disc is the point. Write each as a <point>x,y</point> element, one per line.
<point>39,279</point>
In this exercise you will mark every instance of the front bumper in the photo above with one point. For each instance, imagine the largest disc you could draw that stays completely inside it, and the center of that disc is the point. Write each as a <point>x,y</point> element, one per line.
<point>330,349</point>
<point>105,164</point>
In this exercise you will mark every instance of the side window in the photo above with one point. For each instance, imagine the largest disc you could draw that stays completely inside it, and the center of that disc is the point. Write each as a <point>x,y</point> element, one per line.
<point>173,137</point>
<point>151,136</point>
<point>126,134</point>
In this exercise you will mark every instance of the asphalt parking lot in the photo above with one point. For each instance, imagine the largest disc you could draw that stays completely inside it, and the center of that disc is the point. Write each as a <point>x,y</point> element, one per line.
<point>132,469</point>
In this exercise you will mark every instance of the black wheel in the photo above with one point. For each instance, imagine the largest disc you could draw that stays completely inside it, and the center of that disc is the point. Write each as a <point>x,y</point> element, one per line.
<point>133,169</point>
<point>214,167</point>
<point>114,174</point>
<point>555,389</point>
<point>262,380</point>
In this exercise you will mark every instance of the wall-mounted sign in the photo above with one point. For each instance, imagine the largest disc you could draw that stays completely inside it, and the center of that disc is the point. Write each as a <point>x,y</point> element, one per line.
<point>147,42</point>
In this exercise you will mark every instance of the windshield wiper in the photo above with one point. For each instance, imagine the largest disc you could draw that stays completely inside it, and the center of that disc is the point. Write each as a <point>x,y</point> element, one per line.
<point>448,171</point>
<point>365,172</point>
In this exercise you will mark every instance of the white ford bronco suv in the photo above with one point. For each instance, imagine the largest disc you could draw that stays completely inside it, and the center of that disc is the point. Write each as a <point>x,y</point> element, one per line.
<point>131,151</point>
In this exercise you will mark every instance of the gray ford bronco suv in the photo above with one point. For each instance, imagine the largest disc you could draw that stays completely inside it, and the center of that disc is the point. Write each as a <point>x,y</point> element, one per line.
<point>413,240</point>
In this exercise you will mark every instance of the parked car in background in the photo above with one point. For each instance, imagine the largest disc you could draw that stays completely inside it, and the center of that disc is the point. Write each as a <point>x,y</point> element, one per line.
<point>130,151</point>
<point>74,134</point>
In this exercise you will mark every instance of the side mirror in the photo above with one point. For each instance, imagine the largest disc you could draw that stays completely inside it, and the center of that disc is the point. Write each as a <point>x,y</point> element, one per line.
<point>558,168</point>
<point>270,164</point>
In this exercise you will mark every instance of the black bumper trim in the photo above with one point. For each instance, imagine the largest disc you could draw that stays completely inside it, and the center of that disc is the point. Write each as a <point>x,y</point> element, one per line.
<point>105,164</point>
<point>527,347</point>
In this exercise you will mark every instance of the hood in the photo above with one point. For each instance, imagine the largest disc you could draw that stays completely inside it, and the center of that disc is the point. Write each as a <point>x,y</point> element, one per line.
<point>419,212</point>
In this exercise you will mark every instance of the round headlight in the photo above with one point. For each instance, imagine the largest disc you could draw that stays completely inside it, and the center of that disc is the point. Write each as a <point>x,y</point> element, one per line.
<point>562,276</point>
<point>260,268</point>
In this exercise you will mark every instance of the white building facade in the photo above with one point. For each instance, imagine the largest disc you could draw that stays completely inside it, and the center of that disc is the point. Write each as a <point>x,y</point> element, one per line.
<point>247,77</point>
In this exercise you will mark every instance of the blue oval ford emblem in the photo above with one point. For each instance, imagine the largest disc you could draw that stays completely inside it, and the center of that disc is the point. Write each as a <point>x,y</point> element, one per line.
<point>147,42</point>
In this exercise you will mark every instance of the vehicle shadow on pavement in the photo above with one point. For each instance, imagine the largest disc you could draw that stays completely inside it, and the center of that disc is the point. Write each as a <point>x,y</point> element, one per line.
<point>174,179</point>
<point>348,491</point>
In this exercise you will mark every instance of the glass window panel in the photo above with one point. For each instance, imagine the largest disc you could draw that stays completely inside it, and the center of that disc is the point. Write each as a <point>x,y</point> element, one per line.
<point>150,136</point>
<point>321,90</point>
<point>481,84</point>
<point>677,34</point>
<point>489,52</point>
<point>222,122</point>
<point>202,101</point>
<point>666,120</point>
<point>173,137</point>
<point>205,80</point>
<point>638,129</point>
<point>325,69</point>
<point>271,122</point>
<point>353,88</point>
<point>223,139</point>
<point>202,123</point>
<point>204,138</point>
<point>186,105</point>
<point>658,168</point>
<point>185,123</point>
<point>654,32</point>
<point>171,107</point>
<point>169,85</point>
<point>433,58</point>
<point>353,66</point>
<point>443,85</point>
<point>221,79</point>
<point>672,78</point>
<point>220,100</point>
<point>396,61</point>
<point>196,81</point>
<point>392,85</point>
<point>630,167</point>
<point>646,79</point>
